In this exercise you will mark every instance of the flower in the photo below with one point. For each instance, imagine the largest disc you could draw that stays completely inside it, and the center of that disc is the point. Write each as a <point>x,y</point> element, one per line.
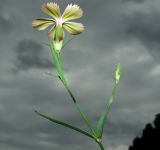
<point>59,22</point>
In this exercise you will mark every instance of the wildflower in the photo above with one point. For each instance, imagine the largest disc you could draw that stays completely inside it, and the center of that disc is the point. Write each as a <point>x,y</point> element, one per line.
<point>59,22</point>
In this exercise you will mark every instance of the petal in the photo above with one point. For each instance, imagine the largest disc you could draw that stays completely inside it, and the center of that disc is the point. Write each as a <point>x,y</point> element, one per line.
<point>51,33</point>
<point>51,9</point>
<point>42,24</point>
<point>72,12</point>
<point>73,28</point>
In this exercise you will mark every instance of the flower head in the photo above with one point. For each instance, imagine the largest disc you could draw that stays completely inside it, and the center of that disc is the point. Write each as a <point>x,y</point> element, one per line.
<point>59,22</point>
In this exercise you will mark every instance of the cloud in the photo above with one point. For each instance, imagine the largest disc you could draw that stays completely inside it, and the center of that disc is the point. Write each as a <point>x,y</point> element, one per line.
<point>136,1</point>
<point>6,23</point>
<point>121,127</point>
<point>29,54</point>
<point>114,32</point>
<point>119,147</point>
<point>6,20</point>
<point>144,26</point>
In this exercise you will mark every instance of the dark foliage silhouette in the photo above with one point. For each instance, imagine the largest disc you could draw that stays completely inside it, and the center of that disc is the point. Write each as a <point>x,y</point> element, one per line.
<point>150,139</point>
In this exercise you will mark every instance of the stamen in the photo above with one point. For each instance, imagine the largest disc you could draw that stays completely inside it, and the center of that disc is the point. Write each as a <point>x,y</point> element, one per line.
<point>59,22</point>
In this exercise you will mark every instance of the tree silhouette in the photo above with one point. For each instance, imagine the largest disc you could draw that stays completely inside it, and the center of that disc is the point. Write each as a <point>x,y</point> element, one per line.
<point>150,139</point>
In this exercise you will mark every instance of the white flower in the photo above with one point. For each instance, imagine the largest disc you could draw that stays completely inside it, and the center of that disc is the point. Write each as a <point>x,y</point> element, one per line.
<point>59,21</point>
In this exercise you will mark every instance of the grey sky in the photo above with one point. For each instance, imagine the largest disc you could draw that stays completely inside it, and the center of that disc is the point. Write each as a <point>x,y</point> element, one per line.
<point>116,31</point>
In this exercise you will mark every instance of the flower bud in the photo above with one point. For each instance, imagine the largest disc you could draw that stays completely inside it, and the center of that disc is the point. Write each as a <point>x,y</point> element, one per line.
<point>118,73</point>
<point>58,36</point>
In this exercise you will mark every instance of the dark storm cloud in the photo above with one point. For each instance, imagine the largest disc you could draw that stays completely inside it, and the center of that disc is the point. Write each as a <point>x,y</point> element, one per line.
<point>146,28</point>
<point>14,135</point>
<point>121,130</point>
<point>30,55</point>
<point>122,127</point>
<point>36,135</point>
<point>110,28</point>
<point>6,20</point>
<point>6,23</point>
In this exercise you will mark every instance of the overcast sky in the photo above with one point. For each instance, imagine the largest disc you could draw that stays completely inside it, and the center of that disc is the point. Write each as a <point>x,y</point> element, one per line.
<point>116,31</point>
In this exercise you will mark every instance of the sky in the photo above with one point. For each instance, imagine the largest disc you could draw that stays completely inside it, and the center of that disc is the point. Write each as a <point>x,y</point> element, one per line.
<point>116,31</point>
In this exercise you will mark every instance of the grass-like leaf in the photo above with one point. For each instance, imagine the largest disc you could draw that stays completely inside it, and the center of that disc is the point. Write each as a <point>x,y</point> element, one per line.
<point>104,116</point>
<point>64,124</point>
<point>100,125</point>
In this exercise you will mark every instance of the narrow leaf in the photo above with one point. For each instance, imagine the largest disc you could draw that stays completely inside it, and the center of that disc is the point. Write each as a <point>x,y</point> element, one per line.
<point>64,124</point>
<point>46,44</point>
<point>52,75</point>
<point>100,125</point>
<point>66,42</point>
<point>104,116</point>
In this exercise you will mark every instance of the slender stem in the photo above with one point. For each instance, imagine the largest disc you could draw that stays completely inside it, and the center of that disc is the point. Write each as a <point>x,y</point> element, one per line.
<point>56,58</point>
<point>101,145</point>
<point>110,100</point>
<point>80,109</point>
<point>59,67</point>
<point>108,105</point>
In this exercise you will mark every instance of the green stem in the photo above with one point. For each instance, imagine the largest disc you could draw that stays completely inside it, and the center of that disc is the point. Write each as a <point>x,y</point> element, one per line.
<point>108,105</point>
<point>59,67</point>
<point>110,100</point>
<point>56,58</point>
<point>101,146</point>
<point>93,131</point>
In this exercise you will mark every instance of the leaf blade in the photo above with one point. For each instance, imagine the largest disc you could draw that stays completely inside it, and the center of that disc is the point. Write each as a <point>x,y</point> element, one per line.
<point>64,124</point>
<point>103,118</point>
